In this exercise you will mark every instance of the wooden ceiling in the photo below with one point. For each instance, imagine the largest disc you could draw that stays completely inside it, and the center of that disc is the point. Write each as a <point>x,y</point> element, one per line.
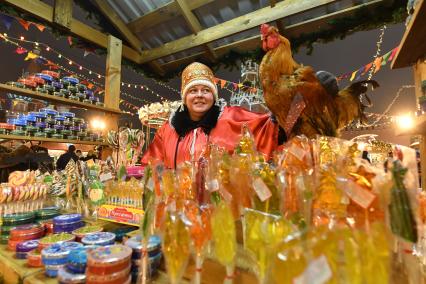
<point>171,35</point>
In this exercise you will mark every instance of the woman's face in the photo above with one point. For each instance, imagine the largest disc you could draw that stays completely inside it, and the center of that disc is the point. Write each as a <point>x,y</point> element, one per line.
<point>199,99</point>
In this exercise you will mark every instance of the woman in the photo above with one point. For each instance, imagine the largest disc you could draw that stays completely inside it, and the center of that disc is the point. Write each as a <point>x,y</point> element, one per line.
<point>199,122</point>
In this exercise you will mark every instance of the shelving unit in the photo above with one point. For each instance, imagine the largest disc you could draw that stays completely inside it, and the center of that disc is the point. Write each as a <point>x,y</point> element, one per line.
<point>42,139</point>
<point>54,99</point>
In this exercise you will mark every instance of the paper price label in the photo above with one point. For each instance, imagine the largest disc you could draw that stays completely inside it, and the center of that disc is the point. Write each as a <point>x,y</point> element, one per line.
<point>261,189</point>
<point>317,272</point>
<point>105,177</point>
<point>359,195</point>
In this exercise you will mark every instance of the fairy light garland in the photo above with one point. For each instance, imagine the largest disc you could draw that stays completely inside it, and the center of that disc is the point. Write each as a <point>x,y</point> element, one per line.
<point>378,50</point>
<point>81,67</point>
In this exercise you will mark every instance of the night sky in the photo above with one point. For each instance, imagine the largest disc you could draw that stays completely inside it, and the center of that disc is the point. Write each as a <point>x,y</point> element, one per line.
<point>338,57</point>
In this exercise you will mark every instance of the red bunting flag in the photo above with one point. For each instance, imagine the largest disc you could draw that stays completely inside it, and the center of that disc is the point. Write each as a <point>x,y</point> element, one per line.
<point>20,50</point>
<point>377,64</point>
<point>40,27</point>
<point>394,51</point>
<point>235,86</point>
<point>24,23</point>
<point>222,83</point>
<point>367,67</point>
<point>69,38</point>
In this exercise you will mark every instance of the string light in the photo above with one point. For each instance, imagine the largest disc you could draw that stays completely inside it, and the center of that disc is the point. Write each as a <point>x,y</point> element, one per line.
<point>378,45</point>
<point>47,48</point>
<point>70,62</point>
<point>22,38</point>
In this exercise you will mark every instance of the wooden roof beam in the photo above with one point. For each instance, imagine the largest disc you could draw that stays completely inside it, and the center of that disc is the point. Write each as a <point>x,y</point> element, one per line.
<point>44,12</point>
<point>234,26</point>
<point>254,41</point>
<point>195,26</point>
<point>163,14</point>
<point>118,23</point>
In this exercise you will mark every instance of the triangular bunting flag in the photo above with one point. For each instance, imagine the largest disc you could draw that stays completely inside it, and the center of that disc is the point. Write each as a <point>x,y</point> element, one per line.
<point>69,38</point>
<point>215,80</point>
<point>30,55</point>
<point>7,20</point>
<point>24,23</point>
<point>40,27</point>
<point>353,76</point>
<point>20,50</point>
<point>235,86</point>
<point>377,64</point>
<point>394,51</point>
<point>367,67</point>
<point>385,58</point>
<point>240,85</point>
<point>222,83</point>
<point>359,73</point>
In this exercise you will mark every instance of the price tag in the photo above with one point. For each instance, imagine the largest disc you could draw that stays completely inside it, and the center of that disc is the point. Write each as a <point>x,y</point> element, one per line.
<point>261,189</point>
<point>359,195</point>
<point>317,272</point>
<point>105,177</point>
<point>213,185</point>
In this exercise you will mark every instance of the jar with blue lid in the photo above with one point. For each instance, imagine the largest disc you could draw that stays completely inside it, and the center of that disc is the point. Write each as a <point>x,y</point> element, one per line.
<point>100,239</point>
<point>41,126</point>
<point>66,218</point>
<point>68,277</point>
<point>135,243</point>
<point>23,248</point>
<point>73,81</point>
<point>67,223</point>
<point>40,116</point>
<point>55,255</point>
<point>47,78</point>
<point>50,89</point>
<point>59,120</point>
<point>65,92</point>
<point>20,124</point>
<point>50,112</point>
<point>57,85</point>
<point>77,259</point>
<point>31,120</point>
<point>73,90</point>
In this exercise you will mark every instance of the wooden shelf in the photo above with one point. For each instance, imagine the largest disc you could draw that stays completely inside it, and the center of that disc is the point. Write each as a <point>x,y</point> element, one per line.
<point>51,98</point>
<point>418,129</point>
<point>32,138</point>
<point>413,43</point>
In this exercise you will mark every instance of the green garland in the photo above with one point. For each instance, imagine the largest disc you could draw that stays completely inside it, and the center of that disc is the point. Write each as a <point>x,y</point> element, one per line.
<point>364,20</point>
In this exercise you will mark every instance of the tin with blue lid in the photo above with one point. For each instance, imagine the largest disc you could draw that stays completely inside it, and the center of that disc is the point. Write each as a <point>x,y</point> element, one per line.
<point>68,114</point>
<point>68,277</point>
<point>135,243</point>
<point>77,259</point>
<point>99,238</point>
<point>49,111</point>
<point>52,270</point>
<point>71,80</point>
<point>66,219</point>
<point>67,227</point>
<point>57,85</point>
<point>54,255</point>
<point>45,77</point>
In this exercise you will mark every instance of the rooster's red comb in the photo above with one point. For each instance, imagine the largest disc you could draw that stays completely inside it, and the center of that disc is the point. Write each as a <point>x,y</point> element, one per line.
<point>264,29</point>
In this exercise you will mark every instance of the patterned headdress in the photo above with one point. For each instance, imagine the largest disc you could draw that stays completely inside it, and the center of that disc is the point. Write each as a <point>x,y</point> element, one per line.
<point>197,74</point>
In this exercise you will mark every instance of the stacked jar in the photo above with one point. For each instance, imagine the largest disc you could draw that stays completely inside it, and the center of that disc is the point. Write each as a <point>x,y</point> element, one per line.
<point>10,221</point>
<point>24,233</point>
<point>99,239</point>
<point>31,124</point>
<point>70,85</point>
<point>49,120</point>
<point>6,128</point>
<point>77,130</point>
<point>109,265</point>
<point>55,256</point>
<point>154,254</point>
<point>67,223</point>
<point>20,126</point>
<point>68,125</point>
<point>40,124</point>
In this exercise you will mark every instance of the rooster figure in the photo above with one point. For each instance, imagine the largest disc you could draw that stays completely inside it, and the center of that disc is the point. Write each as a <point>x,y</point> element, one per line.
<point>305,102</point>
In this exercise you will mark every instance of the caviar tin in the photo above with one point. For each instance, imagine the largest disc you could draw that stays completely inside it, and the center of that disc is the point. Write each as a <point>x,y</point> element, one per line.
<point>18,219</point>
<point>68,114</point>
<point>72,89</point>
<point>71,80</point>
<point>77,259</point>
<point>53,74</point>
<point>57,85</point>
<point>59,119</point>
<point>135,243</point>
<point>100,239</point>
<point>58,94</point>
<point>49,111</point>
<point>57,254</point>
<point>67,227</point>
<point>25,233</point>
<point>31,84</point>
<point>47,78</point>
<point>47,213</point>
<point>118,277</point>
<point>39,81</point>
<point>83,231</point>
<point>108,259</point>
<point>52,270</point>
<point>68,277</point>
<point>55,238</point>
<point>40,116</point>
<point>40,134</point>
<point>34,258</point>
<point>50,89</point>
<point>23,248</point>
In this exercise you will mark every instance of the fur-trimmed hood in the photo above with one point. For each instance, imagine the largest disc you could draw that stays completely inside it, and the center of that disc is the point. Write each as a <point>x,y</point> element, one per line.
<point>182,123</point>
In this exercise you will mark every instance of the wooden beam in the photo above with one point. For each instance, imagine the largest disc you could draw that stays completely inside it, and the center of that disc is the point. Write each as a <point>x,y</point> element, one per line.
<point>163,14</point>
<point>62,13</point>
<point>113,79</point>
<point>231,27</point>
<point>317,24</point>
<point>116,21</point>
<point>195,26</point>
<point>413,43</point>
<point>44,12</point>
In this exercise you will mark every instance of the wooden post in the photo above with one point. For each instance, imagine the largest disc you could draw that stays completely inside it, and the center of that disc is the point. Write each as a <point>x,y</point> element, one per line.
<point>112,83</point>
<point>419,76</point>
<point>62,13</point>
